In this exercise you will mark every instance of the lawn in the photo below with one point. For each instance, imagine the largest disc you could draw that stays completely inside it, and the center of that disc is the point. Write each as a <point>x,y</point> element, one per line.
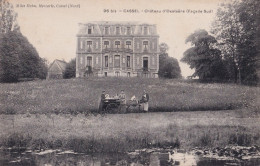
<point>185,114</point>
<point>82,95</point>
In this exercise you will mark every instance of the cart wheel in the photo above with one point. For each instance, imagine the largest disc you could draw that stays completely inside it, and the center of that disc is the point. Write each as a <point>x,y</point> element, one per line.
<point>111,108</point>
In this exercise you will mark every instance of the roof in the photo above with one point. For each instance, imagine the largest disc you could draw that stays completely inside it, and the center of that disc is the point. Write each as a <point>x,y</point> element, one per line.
<point>62,64</point>
<point>116,23</point>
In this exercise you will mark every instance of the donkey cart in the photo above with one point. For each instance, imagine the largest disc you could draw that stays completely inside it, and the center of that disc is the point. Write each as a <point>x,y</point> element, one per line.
<point>114,105</point>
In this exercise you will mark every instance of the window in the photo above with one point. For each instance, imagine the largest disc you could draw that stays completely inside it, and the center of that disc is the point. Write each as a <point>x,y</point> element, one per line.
<point>117,43</point>
<point>128,30</point>
<point>145,31</point>
<point>128,61</point>
<point>106,43</point>
<point>117,74</point>
<point>145,63</point>
<point>106,61</point>
<point>89,30</point>
<point>117,30</point>
<point>128,44</point>
<point>117,61</point>
<point>106,30</point>
<point>128,74</point>
<point>89,61</point>
<point>89,44</point>
<point>145,45</point>
<point>105,74</point>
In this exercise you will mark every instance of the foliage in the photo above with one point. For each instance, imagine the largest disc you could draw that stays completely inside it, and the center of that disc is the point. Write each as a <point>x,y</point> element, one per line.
<point>8,17</point>
<point>203,56</point>
<point>236,28</point>
<point>70,70</point>
<point>168,66</point>
<point>19,59</point>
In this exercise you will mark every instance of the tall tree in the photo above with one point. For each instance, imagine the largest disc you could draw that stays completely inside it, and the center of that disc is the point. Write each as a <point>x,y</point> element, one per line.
<point>8,17</point>
<point>235,27</point>
<point>19,59</point>
<point>70,70</point>
<point>168,66</point>
<point>203,56</point>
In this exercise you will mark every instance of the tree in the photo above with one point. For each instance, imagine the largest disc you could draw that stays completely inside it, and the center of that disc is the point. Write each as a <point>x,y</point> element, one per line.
<point>19,59</point>
<point>8,17</point>
<point>70,70</point>
<point>235,27</point>
<point>204,57</point>
<point>168,66</point>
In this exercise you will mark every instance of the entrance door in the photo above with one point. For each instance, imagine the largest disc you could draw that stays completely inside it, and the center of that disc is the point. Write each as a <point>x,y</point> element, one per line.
<point>145,64</point>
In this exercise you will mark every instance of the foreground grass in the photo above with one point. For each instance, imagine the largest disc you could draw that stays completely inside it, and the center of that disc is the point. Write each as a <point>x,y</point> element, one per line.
<point>82,95</point>
<point>126,132</point>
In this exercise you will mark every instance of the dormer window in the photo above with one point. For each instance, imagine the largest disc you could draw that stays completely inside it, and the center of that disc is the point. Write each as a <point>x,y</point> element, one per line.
<point>106,31</point>
<point>128,30</point>
<point>145,31</point>
<point>117,30</point>
<point>89,30</point>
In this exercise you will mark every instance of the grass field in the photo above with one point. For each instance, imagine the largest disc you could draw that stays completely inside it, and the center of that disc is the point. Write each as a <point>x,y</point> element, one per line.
<point>82,95</point>
<point>124,132</point>
<point>55,114</point>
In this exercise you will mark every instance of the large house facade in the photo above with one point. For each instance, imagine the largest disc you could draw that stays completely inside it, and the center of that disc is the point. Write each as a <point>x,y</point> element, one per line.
<point>127,49</point>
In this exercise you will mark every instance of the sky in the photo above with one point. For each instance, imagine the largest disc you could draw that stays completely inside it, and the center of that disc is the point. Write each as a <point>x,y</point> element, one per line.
<point>52,29</point>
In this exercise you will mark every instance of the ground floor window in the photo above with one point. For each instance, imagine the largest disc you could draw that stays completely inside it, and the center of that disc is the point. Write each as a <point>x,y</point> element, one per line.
<point>128,74</point>
<point>145,63</point>
<point>117,73</point>
<point>106,61</point>
<point>117,61</point>
<point>105,74</point>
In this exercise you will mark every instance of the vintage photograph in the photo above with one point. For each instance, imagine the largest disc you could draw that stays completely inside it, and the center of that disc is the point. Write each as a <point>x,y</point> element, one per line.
<point>129,83</point>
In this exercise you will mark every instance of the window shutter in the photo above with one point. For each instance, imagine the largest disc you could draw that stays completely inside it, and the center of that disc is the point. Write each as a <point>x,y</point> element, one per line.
<point>97,60</point>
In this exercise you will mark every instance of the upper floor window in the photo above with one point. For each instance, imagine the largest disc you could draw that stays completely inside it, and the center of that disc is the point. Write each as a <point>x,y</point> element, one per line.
<point>145,45</point>
<point>106,43</point>
<point>117,44</point>
<point>145,30</point>
<point>128,43</point>
<point>89,44</point>
<point>117,30</point>
<point>128,30</point>
<point>106,31</point>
